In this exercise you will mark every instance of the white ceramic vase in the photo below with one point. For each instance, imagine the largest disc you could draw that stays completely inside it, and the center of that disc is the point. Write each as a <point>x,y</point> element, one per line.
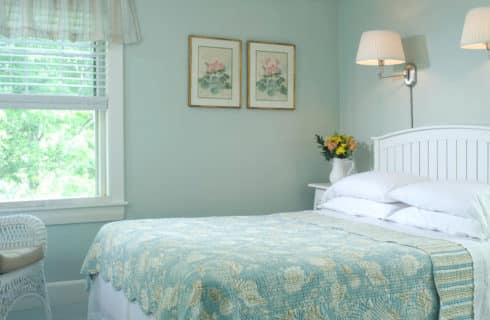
<point>341,168</point>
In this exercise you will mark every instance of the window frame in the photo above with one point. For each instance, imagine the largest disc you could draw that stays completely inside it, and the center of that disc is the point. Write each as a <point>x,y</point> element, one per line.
<point>110,204</point>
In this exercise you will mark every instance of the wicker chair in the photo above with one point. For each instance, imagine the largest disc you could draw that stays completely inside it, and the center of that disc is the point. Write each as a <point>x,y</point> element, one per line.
<point>22,250</point>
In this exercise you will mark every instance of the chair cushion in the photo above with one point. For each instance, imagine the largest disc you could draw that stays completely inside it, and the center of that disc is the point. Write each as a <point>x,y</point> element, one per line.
<point>14,259</point>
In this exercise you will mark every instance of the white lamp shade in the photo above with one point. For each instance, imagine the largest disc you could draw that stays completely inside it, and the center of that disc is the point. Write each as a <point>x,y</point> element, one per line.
<point>476,32</point>
<point>380,45</point>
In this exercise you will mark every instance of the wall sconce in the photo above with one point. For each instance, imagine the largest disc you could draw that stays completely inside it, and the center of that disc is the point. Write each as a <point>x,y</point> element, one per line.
<point>476,31</point>
<point>384,48</point>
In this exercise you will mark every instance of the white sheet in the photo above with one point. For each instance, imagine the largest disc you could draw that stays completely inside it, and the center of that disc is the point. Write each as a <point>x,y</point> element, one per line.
<point>106,303</point>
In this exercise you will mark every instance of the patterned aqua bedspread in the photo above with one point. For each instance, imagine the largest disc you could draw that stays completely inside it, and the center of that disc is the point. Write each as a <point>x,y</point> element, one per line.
<point>300,265</point>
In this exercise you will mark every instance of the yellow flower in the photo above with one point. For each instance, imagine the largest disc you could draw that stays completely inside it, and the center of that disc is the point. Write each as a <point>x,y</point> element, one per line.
<point>340,150</point>
<point>336,139</point>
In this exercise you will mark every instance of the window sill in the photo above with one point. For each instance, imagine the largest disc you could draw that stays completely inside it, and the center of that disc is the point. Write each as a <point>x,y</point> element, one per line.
<point>100,211</point>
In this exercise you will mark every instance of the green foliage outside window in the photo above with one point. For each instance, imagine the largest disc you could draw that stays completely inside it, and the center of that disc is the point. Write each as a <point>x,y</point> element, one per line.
<point>47,154</point>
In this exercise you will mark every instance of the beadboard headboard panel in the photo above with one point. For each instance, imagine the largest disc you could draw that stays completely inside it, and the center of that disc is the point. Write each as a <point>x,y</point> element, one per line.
<point>454,153</point>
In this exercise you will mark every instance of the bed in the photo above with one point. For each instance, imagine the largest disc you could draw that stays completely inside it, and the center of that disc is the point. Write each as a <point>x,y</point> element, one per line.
<point>303,265</point>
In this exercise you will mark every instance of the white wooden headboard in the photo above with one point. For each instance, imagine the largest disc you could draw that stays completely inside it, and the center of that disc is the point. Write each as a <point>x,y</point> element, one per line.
<point>458,153</point>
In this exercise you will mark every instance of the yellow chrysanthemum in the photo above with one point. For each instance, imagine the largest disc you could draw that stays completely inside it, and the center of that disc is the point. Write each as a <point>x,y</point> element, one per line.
<point>340,151</point>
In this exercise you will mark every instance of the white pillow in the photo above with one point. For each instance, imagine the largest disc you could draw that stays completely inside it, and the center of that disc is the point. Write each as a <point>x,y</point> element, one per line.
<point>439,221</point>
<point>371,185</point>
<point>467,200</point>
<point>362,207</point>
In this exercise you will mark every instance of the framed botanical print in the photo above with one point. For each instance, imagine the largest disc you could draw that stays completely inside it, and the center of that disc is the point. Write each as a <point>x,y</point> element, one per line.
<point>215,72</point>
<point>271,75</point>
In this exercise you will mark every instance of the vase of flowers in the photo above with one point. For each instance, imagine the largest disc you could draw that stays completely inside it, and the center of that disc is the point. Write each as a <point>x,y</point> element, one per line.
<point>340,149</point>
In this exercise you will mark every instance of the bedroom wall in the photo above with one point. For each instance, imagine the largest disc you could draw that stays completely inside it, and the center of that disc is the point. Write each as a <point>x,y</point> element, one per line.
<point>184,162</point>
<point>453,83</point>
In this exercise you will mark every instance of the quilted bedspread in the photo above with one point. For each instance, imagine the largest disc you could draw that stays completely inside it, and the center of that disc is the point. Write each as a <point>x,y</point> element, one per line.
<point>301,265</point>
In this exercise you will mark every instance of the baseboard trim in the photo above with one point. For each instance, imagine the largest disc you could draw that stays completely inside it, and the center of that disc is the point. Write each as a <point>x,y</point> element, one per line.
<point>60,293</point>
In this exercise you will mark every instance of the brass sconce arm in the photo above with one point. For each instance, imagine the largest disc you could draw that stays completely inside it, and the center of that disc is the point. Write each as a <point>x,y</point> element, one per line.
<point>409,73</point>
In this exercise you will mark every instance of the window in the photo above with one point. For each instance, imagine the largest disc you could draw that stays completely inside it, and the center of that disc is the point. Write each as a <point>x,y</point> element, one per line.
<point>60,127</point>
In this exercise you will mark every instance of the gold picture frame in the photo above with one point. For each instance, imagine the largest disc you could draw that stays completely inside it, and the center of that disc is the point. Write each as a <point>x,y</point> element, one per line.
<point>271,75</point>
<point>215,72</point>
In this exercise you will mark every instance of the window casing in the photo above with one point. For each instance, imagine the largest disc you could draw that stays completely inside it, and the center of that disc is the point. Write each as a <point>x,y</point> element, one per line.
<point>61,91</point>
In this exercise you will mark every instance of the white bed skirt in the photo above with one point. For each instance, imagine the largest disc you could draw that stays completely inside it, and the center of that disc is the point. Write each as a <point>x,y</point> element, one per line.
<point>106,303</point>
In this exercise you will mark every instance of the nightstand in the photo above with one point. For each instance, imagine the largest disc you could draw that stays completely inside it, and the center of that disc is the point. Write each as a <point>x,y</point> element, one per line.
<point>320,189</point>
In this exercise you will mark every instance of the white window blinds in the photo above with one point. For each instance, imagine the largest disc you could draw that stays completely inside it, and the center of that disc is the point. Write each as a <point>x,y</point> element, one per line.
<point>46,74</point>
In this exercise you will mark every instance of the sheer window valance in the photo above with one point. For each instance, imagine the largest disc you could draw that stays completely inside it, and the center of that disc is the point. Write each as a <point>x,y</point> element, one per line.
<point>73,20</point>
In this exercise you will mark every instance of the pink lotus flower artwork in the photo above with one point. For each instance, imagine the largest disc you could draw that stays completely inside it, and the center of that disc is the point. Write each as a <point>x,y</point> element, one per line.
<point>216,79</point>
<point>215,66</point>
<point>272,75</point>
<point>272,67</point>
<point>272,83</point>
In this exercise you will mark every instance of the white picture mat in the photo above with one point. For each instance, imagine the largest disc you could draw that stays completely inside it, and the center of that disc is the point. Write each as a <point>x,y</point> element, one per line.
<point>290,51</point>
<point>195,100</point>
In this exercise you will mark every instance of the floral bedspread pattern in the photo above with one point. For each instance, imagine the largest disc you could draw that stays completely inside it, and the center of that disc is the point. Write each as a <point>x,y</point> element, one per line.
<point>285,266</point>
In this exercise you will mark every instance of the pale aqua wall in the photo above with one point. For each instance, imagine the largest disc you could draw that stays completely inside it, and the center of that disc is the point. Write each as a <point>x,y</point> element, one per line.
<point>453,83</point>
<point>182,161</point>
<point>192,162</point>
